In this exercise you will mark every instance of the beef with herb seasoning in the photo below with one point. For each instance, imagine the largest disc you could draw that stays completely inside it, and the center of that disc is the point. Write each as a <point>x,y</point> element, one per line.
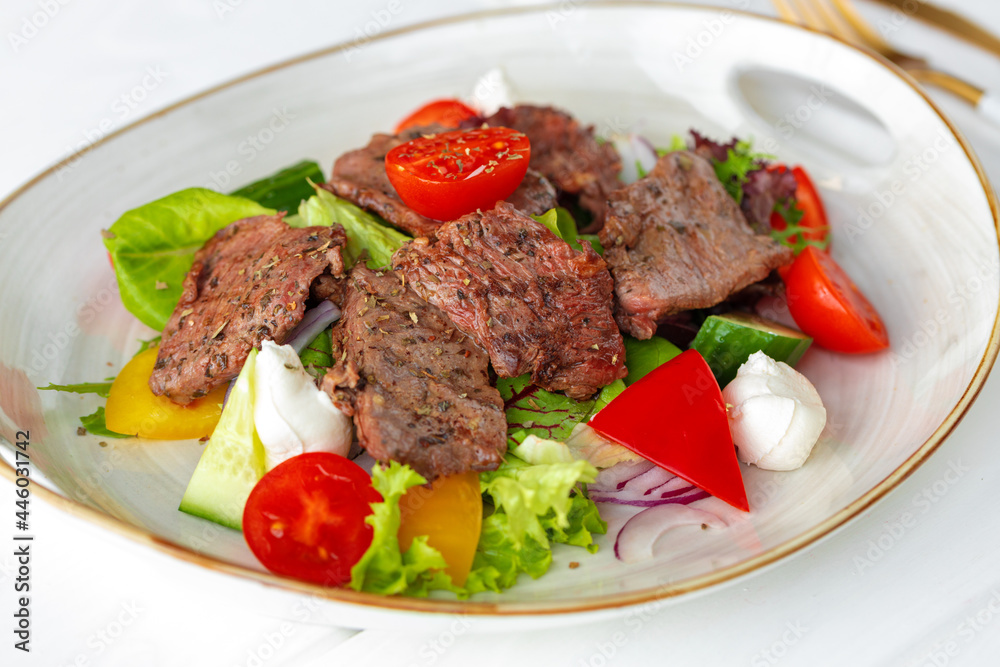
<point>532,301</point>
<point>567,153</point>
<point>675,240</point>
<point>359,177</point>
<point>418,388</point>
<point>248,282</point>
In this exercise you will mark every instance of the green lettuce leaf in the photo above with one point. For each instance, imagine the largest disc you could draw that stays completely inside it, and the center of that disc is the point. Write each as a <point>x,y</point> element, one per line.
<point>608,394</point>
<point>285,190</point>
<point>365,232</point>
<point>643,356</point>
<point>499,560</point>
<point>100,388</point>
<point>740,161</point>
<point>383,568</point>
<point>317,356</point>
<point>583,521</point>
<point>152,247</point>
<point>526,493</point>
<point>95,424</point>
<point>533,411</point>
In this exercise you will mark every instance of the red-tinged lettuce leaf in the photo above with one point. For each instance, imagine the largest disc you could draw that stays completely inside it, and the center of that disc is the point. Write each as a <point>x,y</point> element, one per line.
<point>532,410</point>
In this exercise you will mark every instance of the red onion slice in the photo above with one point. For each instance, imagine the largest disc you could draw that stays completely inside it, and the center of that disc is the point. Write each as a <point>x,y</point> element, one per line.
<point>617,476</point>
<point>691,495</point>
<point>315,320</point>
<point>636,539</point>
<point>635,151</point>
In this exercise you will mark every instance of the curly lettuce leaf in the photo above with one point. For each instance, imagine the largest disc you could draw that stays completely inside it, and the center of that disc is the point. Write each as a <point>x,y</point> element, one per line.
<point>152,247</point>
<point>383,568</point>
<point>365,232</point>
<point>499,560</point>
<point>526,493</point>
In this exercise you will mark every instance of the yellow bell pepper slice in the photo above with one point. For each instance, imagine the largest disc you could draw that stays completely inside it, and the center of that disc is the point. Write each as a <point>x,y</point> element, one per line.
<point>133,409</point>
<point>450,514</point>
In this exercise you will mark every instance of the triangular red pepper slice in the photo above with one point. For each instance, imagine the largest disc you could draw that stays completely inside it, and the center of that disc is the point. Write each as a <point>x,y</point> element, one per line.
<point>676,418</point>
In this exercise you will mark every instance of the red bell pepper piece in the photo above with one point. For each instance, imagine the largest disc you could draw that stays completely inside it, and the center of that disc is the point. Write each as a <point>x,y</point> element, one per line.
<point>676,418</point>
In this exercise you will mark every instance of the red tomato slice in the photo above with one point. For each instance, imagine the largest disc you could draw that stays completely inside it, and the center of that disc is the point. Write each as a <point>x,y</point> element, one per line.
<point>808,201</point>
<point>676,418</point>
<point>827,305</point>
<point>449,113</point>
<point>306,518</point>
<point>447,175</point>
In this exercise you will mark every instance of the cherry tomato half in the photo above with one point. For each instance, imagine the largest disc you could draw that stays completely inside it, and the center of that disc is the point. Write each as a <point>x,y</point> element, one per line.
<point>450,514</point>
<point>306,518</point>
<point>449,113</point>
<point>827,305</point>
<point>808,201</point>
<point>447,175</point>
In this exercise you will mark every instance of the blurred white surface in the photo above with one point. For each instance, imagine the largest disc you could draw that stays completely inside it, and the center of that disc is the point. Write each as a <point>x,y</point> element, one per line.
<point>912,582</point>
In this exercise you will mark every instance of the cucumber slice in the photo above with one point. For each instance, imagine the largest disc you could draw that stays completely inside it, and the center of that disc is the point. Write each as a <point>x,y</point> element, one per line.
<point>727,341</point>
<point>284,190</point>
<point>233,460</point>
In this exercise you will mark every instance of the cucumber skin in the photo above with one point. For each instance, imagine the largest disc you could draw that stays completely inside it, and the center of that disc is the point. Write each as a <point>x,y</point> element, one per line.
<point>229,466</point>
<point>726,346</point>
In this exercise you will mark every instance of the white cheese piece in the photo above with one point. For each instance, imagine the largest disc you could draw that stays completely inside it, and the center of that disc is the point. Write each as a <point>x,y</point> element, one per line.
<point>776,415</point>
<point>291,414</point>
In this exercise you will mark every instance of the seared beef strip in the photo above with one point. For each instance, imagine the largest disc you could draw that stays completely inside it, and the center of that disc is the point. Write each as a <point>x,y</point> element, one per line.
<point>248,282</point>
<point>359,177</point>
<point>418,388</point>
<point>676,240</point>
<point>566,153</point>
<point>536,304</point>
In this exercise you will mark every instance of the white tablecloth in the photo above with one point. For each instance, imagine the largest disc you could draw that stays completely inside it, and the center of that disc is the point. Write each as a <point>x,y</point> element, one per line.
<point>929,595</point>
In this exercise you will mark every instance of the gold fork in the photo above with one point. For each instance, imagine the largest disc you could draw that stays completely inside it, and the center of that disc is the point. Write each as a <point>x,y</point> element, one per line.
<point>841,19</point>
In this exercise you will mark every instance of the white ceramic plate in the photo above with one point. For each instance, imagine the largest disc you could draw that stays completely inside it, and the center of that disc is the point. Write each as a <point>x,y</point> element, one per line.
<point>914,224</point>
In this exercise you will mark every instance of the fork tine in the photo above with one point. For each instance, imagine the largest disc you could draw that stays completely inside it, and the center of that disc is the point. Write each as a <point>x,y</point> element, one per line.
<point>808,15</point>
<point>785,11</point>
<point>836,24</point>
<point>862,27</point>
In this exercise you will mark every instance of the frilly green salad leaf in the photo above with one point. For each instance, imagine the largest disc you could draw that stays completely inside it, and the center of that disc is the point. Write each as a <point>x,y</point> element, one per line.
<point>153,246</point>
<point>534,507</point>
<point>526,493</point>
<point>364,230</point>
<point>383,568</point>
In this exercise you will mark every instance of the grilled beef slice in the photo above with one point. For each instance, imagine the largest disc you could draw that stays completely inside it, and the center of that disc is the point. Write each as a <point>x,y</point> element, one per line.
<point>418,387</point>
<point>359,177</point>
<point>533,302</point>
<point>248,282</point>
<point>566,153</point>
<point>675,240</point>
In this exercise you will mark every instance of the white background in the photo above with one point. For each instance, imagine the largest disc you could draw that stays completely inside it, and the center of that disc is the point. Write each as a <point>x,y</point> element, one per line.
<point>98,599</point>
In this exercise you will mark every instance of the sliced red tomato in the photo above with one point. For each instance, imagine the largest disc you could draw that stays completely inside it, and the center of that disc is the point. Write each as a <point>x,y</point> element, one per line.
<point>676,418</point>
<point>814,223</point>
<point>447,175</point>
<point>449,113</point>
<point>827,305</point>
<point>306,518</point>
